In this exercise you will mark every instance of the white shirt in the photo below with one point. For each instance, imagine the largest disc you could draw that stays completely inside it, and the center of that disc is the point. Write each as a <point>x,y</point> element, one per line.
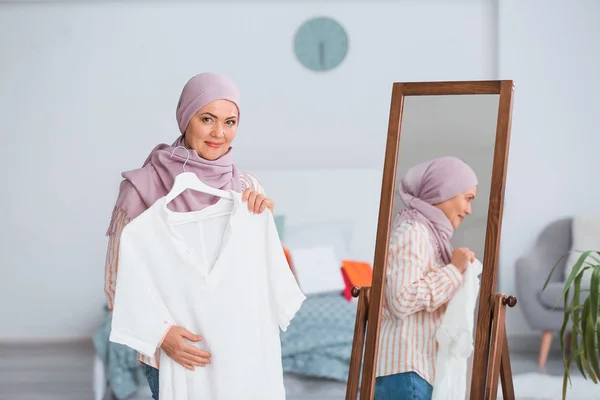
<point>220,273</point>
<point>455,338</point>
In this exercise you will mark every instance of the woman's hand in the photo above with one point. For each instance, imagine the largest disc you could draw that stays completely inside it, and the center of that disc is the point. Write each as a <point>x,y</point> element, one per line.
<point>189,356</point>
<point>461,258</point>
<point>257,202</point>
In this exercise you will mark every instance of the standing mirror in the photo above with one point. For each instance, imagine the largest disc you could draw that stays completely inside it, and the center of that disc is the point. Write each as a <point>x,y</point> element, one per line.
<point>442,192</point>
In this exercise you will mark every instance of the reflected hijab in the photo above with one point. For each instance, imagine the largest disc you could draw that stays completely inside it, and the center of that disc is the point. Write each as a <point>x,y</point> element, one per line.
<point>430,183</point>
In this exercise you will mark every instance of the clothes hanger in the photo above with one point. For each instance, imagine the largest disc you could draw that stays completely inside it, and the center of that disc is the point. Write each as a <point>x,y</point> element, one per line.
<point>189,180</point>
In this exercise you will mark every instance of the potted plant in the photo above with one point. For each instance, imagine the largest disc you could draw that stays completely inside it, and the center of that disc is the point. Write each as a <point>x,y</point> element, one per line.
<point>582,310</point>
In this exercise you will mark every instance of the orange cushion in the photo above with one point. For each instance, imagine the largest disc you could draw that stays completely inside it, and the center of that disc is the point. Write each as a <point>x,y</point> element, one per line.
<point>359,273</point>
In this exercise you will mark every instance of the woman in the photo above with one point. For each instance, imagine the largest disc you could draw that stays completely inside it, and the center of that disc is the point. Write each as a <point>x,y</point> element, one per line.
<point>208,116</point>
<point>423,274</point>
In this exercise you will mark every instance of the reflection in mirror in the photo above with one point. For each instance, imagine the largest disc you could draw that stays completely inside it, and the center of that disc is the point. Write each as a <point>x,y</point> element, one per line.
<point>424,272</point>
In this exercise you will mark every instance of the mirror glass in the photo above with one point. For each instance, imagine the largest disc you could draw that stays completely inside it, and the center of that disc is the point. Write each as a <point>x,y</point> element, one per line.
<point>462,126</point>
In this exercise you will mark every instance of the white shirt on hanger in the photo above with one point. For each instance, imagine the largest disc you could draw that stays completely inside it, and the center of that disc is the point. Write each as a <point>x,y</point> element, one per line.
<point>221,273</point>
<point>455,338</point>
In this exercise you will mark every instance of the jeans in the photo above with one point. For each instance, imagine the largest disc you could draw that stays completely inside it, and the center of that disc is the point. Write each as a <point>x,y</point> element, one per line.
<point>404,386</point>
<point>152,376</point>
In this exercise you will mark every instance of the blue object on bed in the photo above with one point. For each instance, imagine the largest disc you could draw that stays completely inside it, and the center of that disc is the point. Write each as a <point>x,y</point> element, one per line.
<point>318,342</point>
<point>123,370</point>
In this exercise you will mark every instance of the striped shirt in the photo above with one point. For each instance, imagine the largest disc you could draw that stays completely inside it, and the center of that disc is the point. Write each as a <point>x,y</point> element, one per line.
<point>120,219</point>
<point>417,289</point>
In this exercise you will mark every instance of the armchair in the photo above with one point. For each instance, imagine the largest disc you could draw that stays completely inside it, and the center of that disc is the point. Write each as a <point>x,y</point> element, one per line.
<point>540,308</point>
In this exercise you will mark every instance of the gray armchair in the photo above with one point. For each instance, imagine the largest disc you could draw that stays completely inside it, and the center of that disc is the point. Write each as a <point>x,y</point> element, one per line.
<point>540,307</point>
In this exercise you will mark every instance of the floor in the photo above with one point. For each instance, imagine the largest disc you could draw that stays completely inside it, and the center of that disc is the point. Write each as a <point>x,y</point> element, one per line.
<point>64,372</point>
<point>46,372</point>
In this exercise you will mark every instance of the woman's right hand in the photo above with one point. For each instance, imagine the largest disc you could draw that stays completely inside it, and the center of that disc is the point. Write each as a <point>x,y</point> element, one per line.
<point>461,258</point>
<point>180,351</point>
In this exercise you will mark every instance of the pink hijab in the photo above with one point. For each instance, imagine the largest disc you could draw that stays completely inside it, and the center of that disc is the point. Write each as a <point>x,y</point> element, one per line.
<point>430,183</point>
<point>143,186</point>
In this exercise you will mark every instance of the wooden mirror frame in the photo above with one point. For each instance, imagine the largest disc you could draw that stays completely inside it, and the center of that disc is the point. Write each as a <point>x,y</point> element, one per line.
<point>369,306</point>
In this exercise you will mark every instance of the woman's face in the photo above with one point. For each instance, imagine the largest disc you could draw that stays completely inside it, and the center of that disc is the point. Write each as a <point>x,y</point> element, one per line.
<point>212,129</point>
<point>458,207</point>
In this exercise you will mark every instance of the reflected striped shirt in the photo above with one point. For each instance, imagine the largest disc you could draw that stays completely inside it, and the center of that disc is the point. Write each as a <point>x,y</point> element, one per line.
<point>417,288</point>
<point>120,219</point>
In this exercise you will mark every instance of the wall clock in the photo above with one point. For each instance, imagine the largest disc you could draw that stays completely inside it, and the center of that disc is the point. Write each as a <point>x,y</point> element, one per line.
<point>321,44</point>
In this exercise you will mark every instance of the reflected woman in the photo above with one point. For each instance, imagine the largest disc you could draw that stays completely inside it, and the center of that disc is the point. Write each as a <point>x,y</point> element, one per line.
<point>423,273</point>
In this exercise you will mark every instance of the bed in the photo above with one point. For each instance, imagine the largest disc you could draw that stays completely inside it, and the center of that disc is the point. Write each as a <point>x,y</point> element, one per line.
<point>314,209</point>
<point>315,355</point>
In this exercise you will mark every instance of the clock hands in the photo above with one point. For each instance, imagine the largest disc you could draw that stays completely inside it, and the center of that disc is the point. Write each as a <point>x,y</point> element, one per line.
<point>322,54</point>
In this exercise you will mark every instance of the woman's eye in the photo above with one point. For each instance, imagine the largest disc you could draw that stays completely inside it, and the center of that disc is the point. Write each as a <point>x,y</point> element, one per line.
<point>206,120</point>
<point>231,122</point>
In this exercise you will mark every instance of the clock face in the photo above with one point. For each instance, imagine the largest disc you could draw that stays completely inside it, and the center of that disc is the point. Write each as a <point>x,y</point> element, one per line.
<point>321,44</point>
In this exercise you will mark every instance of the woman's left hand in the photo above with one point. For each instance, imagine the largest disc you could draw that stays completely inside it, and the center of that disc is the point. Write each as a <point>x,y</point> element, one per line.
<point>257,203</point>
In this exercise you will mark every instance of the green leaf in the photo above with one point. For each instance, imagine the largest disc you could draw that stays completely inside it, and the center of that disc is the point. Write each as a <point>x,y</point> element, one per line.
<point>574,311</point>
<point>563,330</point>
<point>576,306</point>
<point>588,325</point>
<point>552,271</point>
<point>586,365</point>
<point>575,270</point>
<point>592,354</point>
<point>598,333</point>
<point>593,296</point>
<point>586,342</point>
<point>595,258</point>
<point>565,380</point>
<point>579,361</point>
<point>584,316</point>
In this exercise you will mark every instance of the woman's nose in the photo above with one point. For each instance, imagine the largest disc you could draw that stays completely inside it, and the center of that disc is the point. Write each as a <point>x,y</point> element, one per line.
<point>218,131</point>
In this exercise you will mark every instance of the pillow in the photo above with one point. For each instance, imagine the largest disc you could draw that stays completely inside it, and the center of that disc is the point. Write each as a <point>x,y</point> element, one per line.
<point>356,273</point>
<point>317,270</point>
<point>334,234</point>
<point>586,236</point>
<point>347,293</point>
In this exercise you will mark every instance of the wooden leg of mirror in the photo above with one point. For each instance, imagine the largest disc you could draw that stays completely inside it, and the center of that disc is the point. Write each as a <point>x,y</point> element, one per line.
<point>508,391</point>
<point>499,360</point>
<point>496,345</point>
<point>358,343</point>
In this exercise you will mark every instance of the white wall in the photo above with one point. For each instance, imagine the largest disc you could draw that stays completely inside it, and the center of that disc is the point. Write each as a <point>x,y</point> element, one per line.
<point>81,101</point>
<point>551,49</point>
<point>88,89</point>
<point>330,204</point>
